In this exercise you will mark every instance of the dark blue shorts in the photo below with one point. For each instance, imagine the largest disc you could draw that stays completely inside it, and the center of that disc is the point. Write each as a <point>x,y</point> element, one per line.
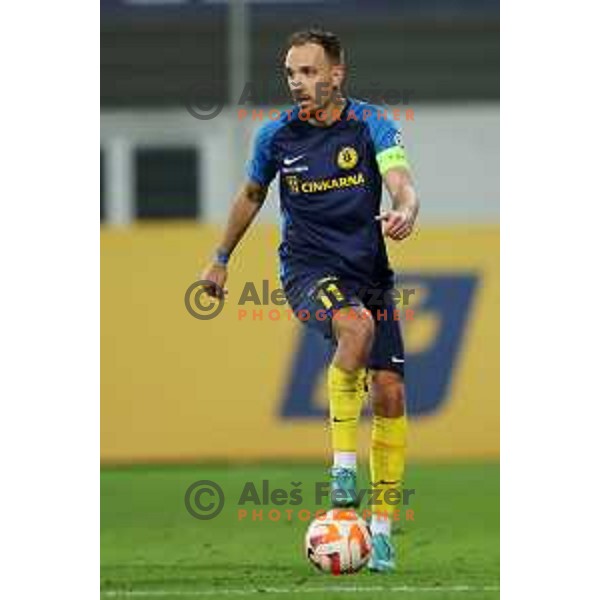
<point>315,301</point>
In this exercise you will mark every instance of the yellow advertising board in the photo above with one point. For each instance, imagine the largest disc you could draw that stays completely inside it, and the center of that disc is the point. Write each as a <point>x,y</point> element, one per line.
<point>249,385</point>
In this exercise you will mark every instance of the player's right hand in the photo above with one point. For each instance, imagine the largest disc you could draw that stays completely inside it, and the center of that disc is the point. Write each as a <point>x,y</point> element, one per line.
<point>217,274</point>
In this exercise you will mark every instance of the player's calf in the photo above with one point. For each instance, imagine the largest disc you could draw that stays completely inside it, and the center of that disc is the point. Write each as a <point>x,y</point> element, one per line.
<point>346,383</point>
<point>387,458</point>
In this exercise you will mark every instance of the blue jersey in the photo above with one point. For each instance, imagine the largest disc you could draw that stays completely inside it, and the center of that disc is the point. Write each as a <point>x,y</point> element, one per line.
<point>330,182</point>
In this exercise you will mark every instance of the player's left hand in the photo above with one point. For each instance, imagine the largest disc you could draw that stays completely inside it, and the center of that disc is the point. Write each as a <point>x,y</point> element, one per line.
<point>397,224</point>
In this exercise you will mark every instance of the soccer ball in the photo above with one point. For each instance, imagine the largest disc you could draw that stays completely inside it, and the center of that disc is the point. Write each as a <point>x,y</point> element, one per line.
<point>338,542</point>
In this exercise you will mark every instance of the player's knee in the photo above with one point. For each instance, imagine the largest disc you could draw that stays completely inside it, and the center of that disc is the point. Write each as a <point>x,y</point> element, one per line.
<point>388,394</point>
<point>355,338</point>
<point>365,328</point>
<point>357,328</point>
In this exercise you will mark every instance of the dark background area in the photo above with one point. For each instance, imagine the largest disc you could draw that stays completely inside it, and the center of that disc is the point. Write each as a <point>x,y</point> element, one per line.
<point>438,50</point>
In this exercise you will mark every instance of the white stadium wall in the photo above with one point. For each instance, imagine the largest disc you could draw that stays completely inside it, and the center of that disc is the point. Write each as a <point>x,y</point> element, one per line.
<point>445,142</point>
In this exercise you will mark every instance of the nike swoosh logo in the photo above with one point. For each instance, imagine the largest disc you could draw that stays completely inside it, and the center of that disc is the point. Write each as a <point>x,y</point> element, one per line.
<point>395,359</point>
<point>290,161</point>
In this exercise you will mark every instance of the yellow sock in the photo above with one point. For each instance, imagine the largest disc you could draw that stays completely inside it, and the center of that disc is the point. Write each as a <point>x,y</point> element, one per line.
<point>346,395</point>
<point>388,450</point>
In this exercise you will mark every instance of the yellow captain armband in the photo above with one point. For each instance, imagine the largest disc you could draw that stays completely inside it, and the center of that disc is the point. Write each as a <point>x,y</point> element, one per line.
<point>392,157</point>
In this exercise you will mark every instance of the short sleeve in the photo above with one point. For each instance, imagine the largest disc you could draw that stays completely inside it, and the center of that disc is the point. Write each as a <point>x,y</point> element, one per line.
<point>389,146</point>
<point>261,167</point>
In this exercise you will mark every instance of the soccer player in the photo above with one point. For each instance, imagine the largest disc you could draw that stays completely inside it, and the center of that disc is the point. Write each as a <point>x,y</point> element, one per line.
<point>332,154</point>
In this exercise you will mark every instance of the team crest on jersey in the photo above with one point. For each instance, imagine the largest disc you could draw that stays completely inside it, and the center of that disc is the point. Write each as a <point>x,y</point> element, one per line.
<point>347,158</point>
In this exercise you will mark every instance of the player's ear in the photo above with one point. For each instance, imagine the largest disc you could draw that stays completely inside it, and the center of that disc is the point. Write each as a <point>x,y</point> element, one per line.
<point>338,73</point>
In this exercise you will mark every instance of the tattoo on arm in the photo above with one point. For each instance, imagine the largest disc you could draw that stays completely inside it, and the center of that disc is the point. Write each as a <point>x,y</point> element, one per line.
<point>256,193</point>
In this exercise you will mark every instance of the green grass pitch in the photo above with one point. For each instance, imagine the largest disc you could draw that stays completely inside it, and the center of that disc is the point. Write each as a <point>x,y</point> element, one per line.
<point>152,548</point>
